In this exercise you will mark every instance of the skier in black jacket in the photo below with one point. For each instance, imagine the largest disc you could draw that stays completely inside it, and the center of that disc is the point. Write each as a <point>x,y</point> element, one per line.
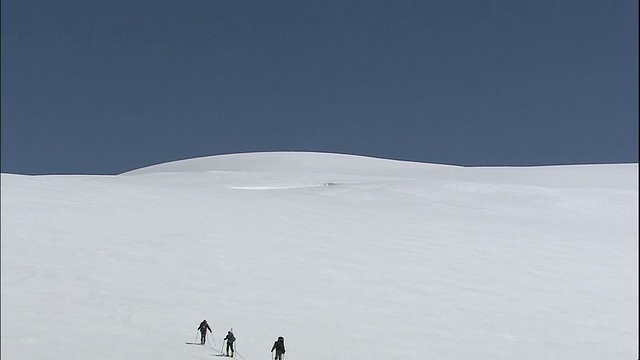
<point>230,339</point>
<point>278,346</point>
<point>203,331</point>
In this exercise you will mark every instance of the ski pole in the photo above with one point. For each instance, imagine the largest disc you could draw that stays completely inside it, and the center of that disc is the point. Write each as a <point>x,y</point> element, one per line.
<point>196,340</point>
<point>240,356</point>
<point>209,342</point>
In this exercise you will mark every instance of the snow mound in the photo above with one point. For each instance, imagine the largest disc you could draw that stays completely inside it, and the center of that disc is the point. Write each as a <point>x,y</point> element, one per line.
<point>307,162</point>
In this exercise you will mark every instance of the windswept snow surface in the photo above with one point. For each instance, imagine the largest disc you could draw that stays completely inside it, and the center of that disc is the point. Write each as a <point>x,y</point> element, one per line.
<point>346,257</point>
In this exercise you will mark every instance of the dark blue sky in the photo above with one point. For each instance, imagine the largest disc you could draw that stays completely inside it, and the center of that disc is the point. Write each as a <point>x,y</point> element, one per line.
<point>102,87</point>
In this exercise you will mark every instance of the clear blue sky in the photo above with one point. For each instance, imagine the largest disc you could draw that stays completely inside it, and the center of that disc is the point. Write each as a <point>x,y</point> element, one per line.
<point>102,87</point>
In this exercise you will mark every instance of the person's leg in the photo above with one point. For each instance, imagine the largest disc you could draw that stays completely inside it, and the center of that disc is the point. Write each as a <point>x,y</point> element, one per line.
<point>202,337</point>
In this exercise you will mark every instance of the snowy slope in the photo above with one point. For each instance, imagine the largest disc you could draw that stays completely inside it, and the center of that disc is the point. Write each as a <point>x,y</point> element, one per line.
<point>346,257</point>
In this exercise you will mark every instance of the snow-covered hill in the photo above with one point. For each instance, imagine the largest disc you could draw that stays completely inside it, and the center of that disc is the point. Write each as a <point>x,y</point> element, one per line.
<point>346,257</point>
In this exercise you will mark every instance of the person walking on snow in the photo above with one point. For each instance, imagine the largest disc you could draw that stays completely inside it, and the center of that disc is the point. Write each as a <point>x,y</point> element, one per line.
<point>203,331</point>
<point>230,339</point>
<point>278,346</point>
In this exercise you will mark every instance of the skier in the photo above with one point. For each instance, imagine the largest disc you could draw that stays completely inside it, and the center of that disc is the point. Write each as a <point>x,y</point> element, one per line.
<point>203,331</point>
<point>230,339</point>
<point>278,346</point>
